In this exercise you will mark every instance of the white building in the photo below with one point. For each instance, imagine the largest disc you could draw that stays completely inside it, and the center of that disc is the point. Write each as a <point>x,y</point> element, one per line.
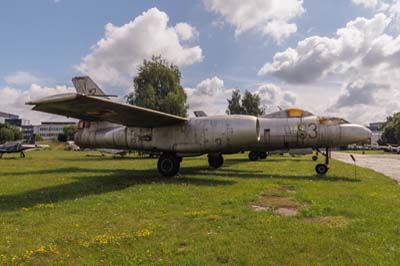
<point>51,130</point>
<point>4,116</point>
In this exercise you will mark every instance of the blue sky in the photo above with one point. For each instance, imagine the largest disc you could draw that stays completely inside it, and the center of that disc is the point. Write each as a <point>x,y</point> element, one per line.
<point>47,40</point>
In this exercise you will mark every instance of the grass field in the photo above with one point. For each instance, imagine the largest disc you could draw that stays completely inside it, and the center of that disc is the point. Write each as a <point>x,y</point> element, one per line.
<point>63,208</point>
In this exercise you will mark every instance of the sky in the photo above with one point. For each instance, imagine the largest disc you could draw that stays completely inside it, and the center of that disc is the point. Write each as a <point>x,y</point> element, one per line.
<point>331,57</point>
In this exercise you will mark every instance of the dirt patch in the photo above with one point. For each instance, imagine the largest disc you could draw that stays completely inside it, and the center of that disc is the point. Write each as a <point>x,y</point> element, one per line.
<point>330,221</point>
<point>277,200</point>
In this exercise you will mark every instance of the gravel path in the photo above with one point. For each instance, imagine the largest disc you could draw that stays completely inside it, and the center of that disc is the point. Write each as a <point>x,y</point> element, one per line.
<point>386,164</point>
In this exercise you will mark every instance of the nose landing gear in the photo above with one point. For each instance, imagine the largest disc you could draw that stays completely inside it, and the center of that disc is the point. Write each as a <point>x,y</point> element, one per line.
<point>322,169</point>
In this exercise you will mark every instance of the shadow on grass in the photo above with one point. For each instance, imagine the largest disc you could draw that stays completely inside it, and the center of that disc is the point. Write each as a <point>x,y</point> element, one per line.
<point>96,158</point>
<point>259,174</point>
<point>99,184</point>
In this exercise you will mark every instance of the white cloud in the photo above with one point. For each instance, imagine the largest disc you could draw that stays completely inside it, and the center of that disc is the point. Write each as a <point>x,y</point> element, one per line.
<point>361,56</point>
<point>115,58</point>
<point>186,32</point>
<point>372,4</point>
<point>271,18</point>
<point>21,78</point>
<point>210,96</point>
<point>272,97</point>
<point>13,101</point>
<point>360,92</point>
<point>316,57</point>
<point>389,7</point>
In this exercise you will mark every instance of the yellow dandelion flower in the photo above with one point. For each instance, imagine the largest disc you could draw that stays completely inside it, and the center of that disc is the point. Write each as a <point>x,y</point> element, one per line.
<point>41,249</point>
<point>144,233</point>
<point>53,248</point>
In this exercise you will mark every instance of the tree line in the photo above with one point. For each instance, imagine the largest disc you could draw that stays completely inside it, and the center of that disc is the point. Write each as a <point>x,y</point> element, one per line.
<point>391,130</point>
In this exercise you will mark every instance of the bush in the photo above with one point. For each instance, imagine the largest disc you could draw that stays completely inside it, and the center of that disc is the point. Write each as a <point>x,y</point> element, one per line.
<point>9,133</point>
<point>62,138</point>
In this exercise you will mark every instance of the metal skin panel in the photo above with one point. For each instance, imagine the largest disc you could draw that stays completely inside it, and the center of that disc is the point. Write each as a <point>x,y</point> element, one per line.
<point>225,134</point>
<point>307,132</point>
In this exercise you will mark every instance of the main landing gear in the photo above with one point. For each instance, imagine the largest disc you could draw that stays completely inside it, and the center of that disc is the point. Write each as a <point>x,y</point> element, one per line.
<point>256,155</point>
<point>322,169</point>
<point>215,160</point>
<point>169,164</point>
<point>22,155</point>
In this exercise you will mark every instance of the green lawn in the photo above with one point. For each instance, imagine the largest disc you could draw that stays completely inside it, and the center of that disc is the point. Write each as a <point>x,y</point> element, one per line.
<point>65,208</point>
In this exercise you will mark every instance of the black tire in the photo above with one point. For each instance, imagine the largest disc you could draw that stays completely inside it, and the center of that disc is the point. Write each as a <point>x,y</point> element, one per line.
<point>254,156</point>
<point>263,155</point>
<point>215,160</point>
<point>315,158</point>
<point>168,165</point>
<point>1,155</point>
<point>321,169</point>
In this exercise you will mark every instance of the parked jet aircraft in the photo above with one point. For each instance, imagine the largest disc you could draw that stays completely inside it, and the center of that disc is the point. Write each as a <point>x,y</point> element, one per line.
<point>299,129</point>
<point>112,125</point>
<point>109,124</point>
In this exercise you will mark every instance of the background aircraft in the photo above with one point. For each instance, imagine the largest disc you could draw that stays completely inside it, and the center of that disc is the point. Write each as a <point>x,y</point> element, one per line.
<point>19,147</point>
<point>112,125</point>
<point>299,129</point>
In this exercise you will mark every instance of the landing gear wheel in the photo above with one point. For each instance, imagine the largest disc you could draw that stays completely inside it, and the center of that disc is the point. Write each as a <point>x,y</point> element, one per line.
<point>321,169</point>
<point>215,160</point>
<point>1,155</point>
<point>168,165</point>
<point>263,155</point>
<point>315,158</point>
<point>22,155</point>
<point>254,156</point>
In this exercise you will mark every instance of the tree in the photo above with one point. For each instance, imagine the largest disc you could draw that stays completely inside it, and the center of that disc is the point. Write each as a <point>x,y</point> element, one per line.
<point>69,131</point>
<point>157,86</point>
<point>234,106</point>
<point>251,104</point>
<point>9,133</point>
<point>248,105</point>
<point>6,134</point>
<point>38,138</point>
<point>391,130</point>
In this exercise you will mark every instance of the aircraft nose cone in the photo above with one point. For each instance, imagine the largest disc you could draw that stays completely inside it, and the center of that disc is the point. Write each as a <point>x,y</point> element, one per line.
<point>353,133</point>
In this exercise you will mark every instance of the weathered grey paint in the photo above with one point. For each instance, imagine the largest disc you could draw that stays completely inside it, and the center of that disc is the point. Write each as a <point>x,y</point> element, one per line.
<point>307,132</point>
<point>226,134</point>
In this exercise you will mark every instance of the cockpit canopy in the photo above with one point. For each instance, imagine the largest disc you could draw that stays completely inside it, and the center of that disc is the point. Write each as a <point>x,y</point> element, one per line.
<point>325,120</point>
<point>299,113</point>
<point>289,113</point>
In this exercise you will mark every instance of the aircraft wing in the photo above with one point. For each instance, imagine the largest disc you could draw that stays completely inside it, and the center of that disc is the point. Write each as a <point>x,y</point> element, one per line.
<point>93,108</point>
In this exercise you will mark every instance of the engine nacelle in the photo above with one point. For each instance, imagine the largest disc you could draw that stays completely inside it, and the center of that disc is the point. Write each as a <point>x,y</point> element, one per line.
<point>226,134</point>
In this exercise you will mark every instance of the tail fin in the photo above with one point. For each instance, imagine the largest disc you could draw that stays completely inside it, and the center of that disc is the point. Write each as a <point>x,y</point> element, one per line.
<point>85,85</point>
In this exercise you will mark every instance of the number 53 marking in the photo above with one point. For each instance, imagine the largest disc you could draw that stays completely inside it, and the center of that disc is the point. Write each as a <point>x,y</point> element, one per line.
<point>313,131</point>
